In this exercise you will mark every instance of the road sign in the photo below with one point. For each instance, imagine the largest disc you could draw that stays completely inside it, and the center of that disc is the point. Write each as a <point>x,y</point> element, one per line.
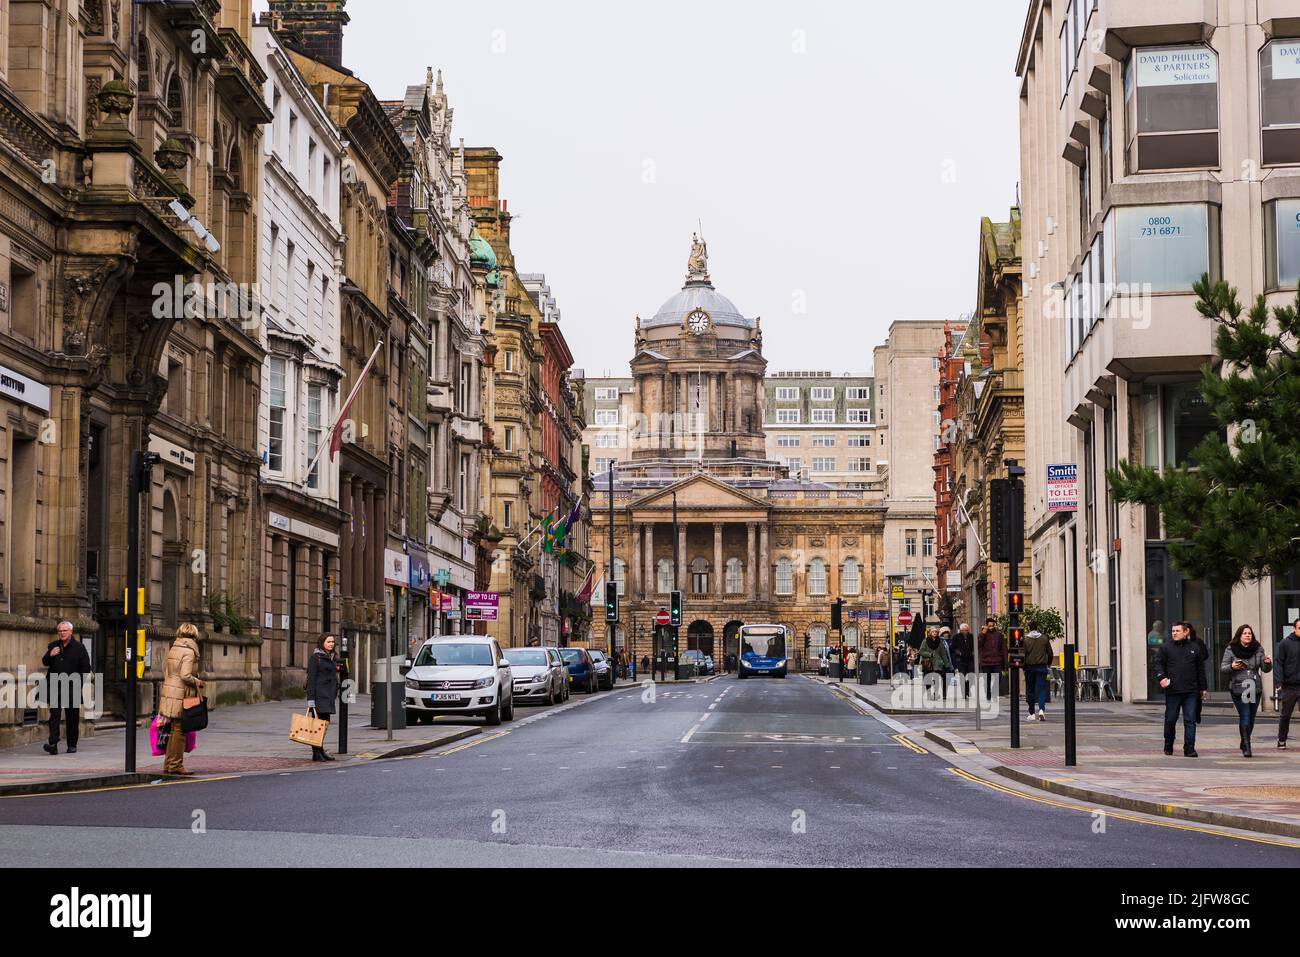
<point>904,618</point>
<point>896,592</point>
<point>663,617</point>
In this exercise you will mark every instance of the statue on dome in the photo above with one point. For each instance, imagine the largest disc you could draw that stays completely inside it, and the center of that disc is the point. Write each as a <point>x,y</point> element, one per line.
<point>697,267</point>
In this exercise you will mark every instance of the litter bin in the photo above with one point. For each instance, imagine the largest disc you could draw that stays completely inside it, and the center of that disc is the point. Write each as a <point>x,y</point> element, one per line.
<point>387,670</point>
<point>835,671</point>
<point>687,670</point>
<point>868,672</point>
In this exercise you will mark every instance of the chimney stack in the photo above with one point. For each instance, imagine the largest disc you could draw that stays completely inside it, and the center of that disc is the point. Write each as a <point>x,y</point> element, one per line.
<point>316,26</point>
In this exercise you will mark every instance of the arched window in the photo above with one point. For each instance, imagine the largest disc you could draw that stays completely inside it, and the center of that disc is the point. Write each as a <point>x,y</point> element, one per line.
<point>620,576</point>
<point>144,65</point>
<point>850,577</point>
<point>176,101</point>
<point>851,635</point>
<point>665,575</point>
<point>784,576</point>
<point>817,577</point>
<point>735,576</point>
<point>700,577</point>
<point>816,640</point>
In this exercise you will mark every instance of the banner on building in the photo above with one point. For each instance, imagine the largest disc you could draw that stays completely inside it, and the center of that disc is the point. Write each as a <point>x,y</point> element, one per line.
<point>1176,66</point>
<point>482,605</point>
<point>1062,488</point>
<point>397,568</point>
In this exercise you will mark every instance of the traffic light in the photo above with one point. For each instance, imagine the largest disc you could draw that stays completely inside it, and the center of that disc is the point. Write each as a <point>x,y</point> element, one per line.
<point>837,615</point>
<point>1017,645</point>
<point>1016,602</point>
<point>675,609</point>
<point>611,603</point>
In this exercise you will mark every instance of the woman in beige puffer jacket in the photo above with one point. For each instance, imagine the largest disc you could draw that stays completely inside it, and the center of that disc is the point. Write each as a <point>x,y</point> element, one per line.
<point>180,681</point>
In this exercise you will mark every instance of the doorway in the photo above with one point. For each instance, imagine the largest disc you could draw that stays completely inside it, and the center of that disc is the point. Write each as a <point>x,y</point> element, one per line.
<point>1171,597</point>
<point>699,637</point>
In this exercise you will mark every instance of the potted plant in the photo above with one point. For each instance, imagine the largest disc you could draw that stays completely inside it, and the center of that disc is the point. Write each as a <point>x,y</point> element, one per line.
<point>217,609</point>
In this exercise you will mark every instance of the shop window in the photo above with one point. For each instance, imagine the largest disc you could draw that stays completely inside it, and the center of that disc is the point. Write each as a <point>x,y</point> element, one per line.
<point>1171,95</point>
<point>24,303</point>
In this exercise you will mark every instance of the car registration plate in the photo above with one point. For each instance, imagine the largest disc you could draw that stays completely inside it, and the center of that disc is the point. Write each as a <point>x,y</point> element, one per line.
<point>444,697</point>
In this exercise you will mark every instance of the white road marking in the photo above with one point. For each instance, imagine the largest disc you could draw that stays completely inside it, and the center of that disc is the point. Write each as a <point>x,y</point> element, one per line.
<point>689,733</point>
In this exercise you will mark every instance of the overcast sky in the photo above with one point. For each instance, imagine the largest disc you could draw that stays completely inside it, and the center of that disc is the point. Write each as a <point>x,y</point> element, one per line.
<point>839,154</point>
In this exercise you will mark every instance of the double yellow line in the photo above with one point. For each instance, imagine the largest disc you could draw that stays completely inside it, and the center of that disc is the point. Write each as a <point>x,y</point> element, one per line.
<point>471,742</point>
<point>120,787</point>
<point>910,745</point>
<point>1118,815</point>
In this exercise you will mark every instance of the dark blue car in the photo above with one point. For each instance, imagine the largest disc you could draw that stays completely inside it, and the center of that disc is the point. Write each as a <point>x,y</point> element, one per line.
<point>582,670</point>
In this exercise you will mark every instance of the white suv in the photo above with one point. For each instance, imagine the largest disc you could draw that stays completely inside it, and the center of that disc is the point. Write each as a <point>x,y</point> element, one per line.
<point>459,674</point>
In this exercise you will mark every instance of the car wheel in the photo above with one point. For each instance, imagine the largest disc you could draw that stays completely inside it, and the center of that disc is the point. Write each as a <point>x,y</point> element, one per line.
<point>509,714</point>
<point>494,716</point>
<point>593,684</point>
<point>413,717</point>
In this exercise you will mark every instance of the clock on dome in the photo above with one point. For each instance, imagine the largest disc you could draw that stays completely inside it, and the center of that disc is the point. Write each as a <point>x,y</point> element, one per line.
<point>698,322</point>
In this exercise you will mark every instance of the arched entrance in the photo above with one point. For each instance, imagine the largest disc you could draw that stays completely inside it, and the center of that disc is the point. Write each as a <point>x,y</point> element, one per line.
<point>699,637</point>
<point>731,644</point>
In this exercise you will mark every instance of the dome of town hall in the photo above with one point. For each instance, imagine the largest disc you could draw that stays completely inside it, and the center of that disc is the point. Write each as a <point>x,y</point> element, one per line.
<point>696,295</point>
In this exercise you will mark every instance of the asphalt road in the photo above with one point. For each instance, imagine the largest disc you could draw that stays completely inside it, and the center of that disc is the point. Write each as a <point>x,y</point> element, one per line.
<point>720,773</point>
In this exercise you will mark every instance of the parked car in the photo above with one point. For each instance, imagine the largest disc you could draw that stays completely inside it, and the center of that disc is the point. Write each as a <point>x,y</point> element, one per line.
<point>539,674</point>
<point>605,676</point>
<point>703,663</point>
<point>459,674</point>
<point>582,669</point>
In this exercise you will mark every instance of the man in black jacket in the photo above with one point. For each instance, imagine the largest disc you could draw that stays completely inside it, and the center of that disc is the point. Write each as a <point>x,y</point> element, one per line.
<point>1286,672</point>
<point>67,663</point>
<point>1180,669</point>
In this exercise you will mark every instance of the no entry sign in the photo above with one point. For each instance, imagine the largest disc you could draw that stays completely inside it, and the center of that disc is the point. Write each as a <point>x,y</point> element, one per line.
<point>904,618</point>
<point>663,617</point>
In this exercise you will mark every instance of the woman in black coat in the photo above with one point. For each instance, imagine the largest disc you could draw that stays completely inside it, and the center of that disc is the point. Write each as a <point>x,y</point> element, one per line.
<point>322,686</point>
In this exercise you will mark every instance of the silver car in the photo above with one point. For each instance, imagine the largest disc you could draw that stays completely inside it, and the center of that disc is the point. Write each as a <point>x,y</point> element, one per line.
<point>539,674</point>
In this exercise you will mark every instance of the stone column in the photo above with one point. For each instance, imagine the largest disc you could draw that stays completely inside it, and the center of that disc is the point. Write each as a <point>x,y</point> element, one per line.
<point>764,565</point>
<point>720,588</point>
<point>635,582</point>
<point>751,564</point>
<point>662,427</point>
<point>651,586</point>
<point>681,556</point>
<point>738,412</point>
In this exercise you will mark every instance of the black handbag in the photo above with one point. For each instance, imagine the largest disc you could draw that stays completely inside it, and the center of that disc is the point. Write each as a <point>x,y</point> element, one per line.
<point>194,714</point>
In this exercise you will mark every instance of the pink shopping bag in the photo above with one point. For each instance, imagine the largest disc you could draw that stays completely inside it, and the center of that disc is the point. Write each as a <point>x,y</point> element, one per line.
<point>191,739</point>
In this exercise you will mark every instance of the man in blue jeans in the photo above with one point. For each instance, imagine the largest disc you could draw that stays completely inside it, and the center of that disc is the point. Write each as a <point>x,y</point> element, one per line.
<point>1038,658</point>
<point>1180,670</point>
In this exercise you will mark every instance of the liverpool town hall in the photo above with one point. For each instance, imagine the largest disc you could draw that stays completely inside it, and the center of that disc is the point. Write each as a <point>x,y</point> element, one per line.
<point>752,544</point>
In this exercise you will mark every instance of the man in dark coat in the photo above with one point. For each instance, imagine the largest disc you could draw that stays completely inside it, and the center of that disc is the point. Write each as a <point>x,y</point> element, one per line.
<point>67,663</point>
<point>1180,670</point>
<point>1286,674</point>
<point>963,650</point>
<point>992,656</point>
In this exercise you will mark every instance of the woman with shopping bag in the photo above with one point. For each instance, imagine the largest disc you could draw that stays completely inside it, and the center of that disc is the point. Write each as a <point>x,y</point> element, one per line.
<point>322,688</point>
<point>180,681</point>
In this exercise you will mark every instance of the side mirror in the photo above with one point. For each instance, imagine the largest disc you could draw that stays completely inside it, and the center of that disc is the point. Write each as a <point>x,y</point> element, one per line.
<point>503,664</point>
<point>406,666</point>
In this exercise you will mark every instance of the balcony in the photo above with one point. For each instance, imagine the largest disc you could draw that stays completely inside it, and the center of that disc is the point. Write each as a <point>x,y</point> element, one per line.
<point>438,397</point>
<point>467,430</point>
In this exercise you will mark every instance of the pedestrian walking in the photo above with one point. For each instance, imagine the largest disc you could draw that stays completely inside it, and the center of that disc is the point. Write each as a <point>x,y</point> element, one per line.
<point>945,638</point>
<point>992,657</point>
<point>66,664</point>
<point>1287,678</point>
<point>963,650</point>
<point>322,687</point>
<point>853,662</point>
<point>180,681</point>
<point>1180,671</point>
<point>935,661</point>
<point>1038,658</point>
<point>1244,660</point>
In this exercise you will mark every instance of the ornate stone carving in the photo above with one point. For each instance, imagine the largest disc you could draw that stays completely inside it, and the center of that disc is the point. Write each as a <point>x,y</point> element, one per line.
<point>116,99</point>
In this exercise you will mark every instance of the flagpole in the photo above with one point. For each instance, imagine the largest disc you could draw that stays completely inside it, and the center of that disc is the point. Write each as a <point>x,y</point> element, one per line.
<point>346,406</point>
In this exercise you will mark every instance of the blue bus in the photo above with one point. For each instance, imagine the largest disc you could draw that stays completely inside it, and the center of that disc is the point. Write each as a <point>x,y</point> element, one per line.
<point>762,650</point>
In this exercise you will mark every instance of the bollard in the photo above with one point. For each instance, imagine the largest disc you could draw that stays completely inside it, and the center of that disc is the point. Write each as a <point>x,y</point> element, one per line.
<point>1070,679</point>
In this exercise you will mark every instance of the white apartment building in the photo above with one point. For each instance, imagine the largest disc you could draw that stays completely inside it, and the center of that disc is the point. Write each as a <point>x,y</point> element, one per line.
<point>299,272</point>
<point>1159,141</point>
<point>822,427</point>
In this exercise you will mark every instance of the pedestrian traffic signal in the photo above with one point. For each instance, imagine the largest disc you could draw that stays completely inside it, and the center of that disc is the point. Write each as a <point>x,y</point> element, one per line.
<point>1016,602</point>
<point>611,603</point>
<point>675,609</point>
<point>1017,637</point>
<point>837,615</point>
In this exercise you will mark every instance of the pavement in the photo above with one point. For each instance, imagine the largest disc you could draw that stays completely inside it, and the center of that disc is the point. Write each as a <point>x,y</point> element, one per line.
<point>1119,761</point>
<point>239,739</point>
<point>711,774</point>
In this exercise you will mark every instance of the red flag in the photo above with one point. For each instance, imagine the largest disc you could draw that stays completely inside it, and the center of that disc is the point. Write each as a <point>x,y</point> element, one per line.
<point>336,435</point>
<point>584,593</point>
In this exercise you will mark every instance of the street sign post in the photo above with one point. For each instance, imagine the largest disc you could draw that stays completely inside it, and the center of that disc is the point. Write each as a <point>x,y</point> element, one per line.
<point>904,619</point>
<point>663,617</point>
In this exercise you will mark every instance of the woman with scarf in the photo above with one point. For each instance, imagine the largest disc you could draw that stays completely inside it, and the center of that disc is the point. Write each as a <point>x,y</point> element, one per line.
<point>1244,660</point>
